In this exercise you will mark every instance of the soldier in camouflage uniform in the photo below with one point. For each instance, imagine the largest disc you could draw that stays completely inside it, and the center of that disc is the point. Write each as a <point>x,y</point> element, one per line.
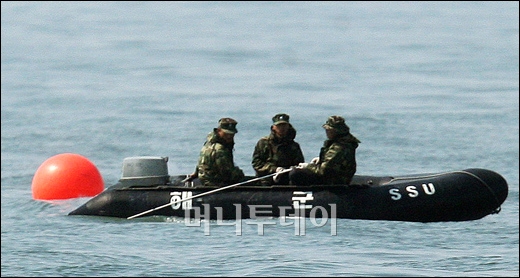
<point>277,151</point>
<point>216,166</point>
<point>337,161</point>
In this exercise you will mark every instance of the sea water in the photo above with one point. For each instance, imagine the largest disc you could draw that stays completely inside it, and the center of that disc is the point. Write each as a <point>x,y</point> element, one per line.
<point>426,86</point>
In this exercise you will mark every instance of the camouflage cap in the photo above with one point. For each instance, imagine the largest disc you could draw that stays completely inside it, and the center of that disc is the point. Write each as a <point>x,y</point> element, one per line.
<point>228,125</point>
<point>280,119</point>
<point>337,123</point>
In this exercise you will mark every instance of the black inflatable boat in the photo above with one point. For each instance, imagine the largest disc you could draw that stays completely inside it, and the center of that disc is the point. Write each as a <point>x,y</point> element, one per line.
<point>146,189</point>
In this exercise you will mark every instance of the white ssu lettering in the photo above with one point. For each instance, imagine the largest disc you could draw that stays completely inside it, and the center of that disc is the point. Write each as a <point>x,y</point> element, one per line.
<point>428,189</point>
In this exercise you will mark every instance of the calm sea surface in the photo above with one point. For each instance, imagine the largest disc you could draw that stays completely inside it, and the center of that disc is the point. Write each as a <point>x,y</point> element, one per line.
<point>426,86</point>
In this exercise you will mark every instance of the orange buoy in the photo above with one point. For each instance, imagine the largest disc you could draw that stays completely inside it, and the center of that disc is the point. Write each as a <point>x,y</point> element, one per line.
<point>66,176</point>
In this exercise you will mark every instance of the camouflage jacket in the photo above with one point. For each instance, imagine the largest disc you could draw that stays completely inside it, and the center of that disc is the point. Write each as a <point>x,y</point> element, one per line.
<point>337,163</point>
<point>272,152</point>
<point>216,166</point>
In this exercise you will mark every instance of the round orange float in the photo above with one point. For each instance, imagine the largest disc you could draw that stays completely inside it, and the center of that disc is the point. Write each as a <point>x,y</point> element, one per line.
<point>66,176</point>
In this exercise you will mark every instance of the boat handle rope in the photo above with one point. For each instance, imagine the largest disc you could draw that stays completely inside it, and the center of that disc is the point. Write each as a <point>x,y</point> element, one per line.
<point>497,210</point>
<point>208,192</point>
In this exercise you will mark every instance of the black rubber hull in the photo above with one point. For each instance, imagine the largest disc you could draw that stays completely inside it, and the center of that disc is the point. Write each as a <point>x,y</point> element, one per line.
<point>455,196</point>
